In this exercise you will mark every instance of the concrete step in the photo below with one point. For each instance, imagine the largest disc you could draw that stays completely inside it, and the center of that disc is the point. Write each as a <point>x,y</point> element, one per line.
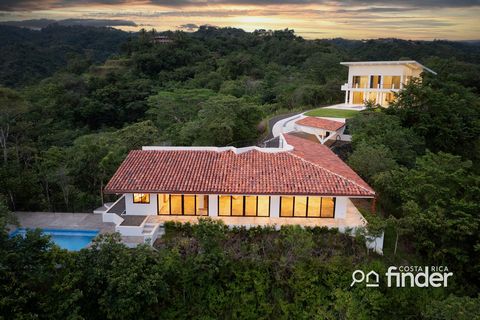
<point>148,228</point>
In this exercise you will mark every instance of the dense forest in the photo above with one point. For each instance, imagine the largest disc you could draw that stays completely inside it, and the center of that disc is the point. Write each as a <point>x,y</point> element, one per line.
<point>80,98</point>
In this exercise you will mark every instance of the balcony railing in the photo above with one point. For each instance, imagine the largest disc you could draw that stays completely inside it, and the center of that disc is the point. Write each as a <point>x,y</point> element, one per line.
<point>348,86</point>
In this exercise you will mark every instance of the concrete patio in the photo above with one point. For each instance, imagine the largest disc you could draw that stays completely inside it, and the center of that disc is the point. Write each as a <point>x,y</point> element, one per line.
<point>63,220</point>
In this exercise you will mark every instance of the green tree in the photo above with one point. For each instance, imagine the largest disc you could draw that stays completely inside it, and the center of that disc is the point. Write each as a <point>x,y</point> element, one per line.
<point>444,113</point>
<point>12,108</point>
<point>439,200</point>
<point>369,160</point>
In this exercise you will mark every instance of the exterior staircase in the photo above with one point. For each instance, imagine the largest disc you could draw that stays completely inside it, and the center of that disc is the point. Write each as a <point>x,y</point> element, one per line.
<point>148,228</point>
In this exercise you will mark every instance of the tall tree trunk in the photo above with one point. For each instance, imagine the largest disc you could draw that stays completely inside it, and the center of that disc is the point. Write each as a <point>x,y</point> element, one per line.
<point>3,142</point>
<point>396,244</point>
<point>101,191</point>
<point>48,196</point>
<point>12,200</point>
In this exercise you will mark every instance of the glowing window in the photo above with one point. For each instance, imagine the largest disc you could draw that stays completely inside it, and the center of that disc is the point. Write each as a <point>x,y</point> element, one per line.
<point>163,204</point>
<point>224,205</point>
<point>141,198</point>
<point>250,206</point>
<point>202,205</point>
<point>328,206</point>
<point>263,206</point>
<point>189,205</point>
<point>286,207</point>
<point>360,81</point>
<point>300,209</point>
<point>314,204</point>
<point>237,205</point>
<point>176,204</point>
<point>375,82</point>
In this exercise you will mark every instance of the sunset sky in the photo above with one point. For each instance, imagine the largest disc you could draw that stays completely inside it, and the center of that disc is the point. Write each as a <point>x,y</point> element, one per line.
<point>354,19</point>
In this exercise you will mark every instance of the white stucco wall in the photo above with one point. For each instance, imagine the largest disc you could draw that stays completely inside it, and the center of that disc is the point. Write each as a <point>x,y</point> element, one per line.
<point>213,205</point>
<point>274,206</point>
<point>341,207</point>
<point>141,208</point>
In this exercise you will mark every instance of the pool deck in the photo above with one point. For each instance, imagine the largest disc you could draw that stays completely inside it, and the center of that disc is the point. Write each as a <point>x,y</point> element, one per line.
<point>63,220</point>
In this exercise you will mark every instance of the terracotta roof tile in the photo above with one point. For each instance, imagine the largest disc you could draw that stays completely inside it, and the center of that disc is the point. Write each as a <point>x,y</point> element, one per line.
<point>214,172</point>
<point>322,156</point>
<point>320,123</point>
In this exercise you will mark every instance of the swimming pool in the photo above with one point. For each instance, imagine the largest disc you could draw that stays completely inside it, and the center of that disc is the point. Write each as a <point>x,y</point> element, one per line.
<point>72,240</point>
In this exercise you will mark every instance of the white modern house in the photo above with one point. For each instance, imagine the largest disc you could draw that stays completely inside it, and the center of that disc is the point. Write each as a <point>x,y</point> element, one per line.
<point>378,81</point>
<point>303,182</point>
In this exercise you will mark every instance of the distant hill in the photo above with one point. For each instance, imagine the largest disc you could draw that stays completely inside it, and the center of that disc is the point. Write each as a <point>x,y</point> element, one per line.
<point>29,55</point>
<point>394,49</point>
<point>43,23</point>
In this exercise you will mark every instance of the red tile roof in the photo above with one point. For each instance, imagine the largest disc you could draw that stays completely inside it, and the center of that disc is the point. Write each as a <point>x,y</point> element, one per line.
<point>251,172</point>
<point>324,157</point>
<point>320,123</point>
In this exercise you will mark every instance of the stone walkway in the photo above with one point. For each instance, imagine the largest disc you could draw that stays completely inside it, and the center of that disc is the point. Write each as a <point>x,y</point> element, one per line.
<point>62,220</point>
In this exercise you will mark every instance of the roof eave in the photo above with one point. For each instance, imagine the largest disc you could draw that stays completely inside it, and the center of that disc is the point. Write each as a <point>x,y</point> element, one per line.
<point>359,195</point>
<point>353,63</point>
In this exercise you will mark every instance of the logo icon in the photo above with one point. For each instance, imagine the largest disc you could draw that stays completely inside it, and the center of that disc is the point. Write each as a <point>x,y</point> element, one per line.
<point>372,279</point>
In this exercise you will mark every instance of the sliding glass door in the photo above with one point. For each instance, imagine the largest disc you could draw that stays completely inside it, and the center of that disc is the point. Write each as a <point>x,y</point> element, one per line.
<point>243,206</point>
<point>307,207</point>
<point>183,204</point>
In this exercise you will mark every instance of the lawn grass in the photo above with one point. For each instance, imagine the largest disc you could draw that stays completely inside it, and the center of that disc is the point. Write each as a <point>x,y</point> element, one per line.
<point>332,113</point>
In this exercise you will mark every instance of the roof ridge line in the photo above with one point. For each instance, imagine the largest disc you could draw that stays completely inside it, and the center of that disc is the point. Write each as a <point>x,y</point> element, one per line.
<point>329,171</point>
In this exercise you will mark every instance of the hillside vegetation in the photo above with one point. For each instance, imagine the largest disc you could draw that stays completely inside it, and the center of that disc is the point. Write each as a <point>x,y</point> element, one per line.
<point>65,130</point>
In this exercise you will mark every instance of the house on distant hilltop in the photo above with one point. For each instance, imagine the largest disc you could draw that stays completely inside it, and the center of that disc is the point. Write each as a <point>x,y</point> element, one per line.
<point>378,81</point>
<point>302,182</point>
<point>162,39</point>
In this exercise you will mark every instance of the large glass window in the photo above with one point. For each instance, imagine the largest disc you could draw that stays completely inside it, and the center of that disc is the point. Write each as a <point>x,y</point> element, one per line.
<point>360,81</point>
<point>163,204</point>
<point>389,97</point>
<point>263,207</point>
<point>177,204</point>
<point>249,206</point>
<point>311,207</point>
<point>328,207</point>
<point>224,205</point>
<point>358,97</point>
<point>300,208</point>
<point>391,82</point>
<point>314,206</point>
<point>141,198</point>
<point>375,82</point>
<point>237,205</point>
<point>286,207</point>
<point>201,205</point>
<point>189,205</point>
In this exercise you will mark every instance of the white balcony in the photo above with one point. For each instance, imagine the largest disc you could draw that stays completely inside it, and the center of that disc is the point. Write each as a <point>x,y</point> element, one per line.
<point>384,87</point>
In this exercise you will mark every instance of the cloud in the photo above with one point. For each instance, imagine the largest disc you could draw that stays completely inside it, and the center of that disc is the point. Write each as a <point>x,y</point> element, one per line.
<point>178,13</point>
<point>374,9</point>
<point>42,23</point>
<point>188,27</point>
<point>29,5</point>
<point>390,5</point>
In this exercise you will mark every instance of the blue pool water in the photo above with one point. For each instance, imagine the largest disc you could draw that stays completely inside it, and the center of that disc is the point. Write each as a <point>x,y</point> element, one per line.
<point>72,240</point>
